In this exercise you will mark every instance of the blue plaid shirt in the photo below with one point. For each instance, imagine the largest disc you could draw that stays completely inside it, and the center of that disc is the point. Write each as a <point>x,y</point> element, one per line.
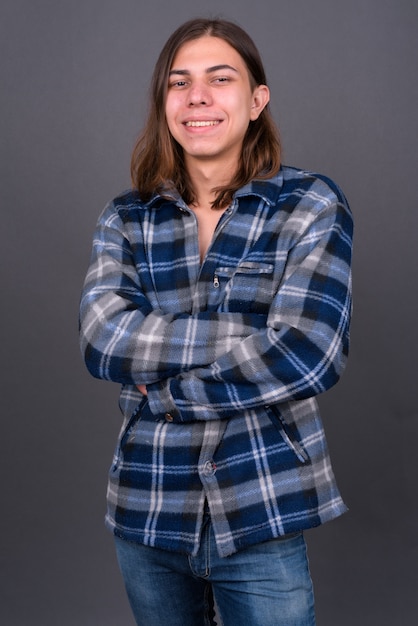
<point>233,352</point>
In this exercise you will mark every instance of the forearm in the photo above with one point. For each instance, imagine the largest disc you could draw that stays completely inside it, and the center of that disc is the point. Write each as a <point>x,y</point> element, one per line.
<point>135,348</point>
<point>292,367</point>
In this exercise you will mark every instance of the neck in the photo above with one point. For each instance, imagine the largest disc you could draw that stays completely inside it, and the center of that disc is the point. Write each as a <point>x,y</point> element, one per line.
<point>207,176</point>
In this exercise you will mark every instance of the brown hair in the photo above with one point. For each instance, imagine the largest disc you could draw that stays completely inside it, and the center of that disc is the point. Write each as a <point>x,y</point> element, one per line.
<point>157,159</point>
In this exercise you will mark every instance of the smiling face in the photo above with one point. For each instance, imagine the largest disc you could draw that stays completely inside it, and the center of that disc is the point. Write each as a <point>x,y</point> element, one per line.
<point>210,101</point>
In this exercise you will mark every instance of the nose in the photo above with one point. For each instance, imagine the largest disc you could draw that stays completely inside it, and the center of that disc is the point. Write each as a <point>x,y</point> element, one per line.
<point>199,95</point>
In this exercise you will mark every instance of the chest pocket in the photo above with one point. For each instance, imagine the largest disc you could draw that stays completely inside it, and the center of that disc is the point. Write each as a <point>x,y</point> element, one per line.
<point>245,287</point>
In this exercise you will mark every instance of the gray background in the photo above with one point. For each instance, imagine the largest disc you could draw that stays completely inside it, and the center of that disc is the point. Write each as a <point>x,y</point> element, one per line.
<point>74,78</point>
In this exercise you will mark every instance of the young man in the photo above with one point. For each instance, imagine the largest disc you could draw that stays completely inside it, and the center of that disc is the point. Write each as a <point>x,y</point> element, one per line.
<point>219,296</point>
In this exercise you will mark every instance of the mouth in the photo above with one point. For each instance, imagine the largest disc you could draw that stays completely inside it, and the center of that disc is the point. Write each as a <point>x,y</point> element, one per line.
<point>201,123</point>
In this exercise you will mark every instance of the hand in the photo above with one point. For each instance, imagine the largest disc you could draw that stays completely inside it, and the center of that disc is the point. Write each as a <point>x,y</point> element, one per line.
<point>142,389</point>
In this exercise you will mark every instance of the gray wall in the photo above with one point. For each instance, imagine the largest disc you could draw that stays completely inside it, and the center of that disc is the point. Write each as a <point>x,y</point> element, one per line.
<point>74,76</point>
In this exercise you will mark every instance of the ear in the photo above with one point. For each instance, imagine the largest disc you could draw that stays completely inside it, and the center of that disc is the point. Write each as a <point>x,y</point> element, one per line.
<point>260,99</point>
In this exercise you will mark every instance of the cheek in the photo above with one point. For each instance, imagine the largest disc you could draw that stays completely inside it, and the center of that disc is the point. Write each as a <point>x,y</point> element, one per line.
<point>242,108</point>
<point>171,107</point>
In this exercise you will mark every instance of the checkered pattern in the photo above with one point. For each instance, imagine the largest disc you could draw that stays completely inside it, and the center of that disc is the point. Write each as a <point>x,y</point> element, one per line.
<point>233,352</point>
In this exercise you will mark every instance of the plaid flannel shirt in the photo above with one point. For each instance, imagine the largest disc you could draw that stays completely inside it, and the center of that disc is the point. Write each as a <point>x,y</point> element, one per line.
<point>233,352</point>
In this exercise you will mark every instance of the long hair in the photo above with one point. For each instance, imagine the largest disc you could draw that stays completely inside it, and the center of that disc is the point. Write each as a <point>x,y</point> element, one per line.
<point>157,159</point>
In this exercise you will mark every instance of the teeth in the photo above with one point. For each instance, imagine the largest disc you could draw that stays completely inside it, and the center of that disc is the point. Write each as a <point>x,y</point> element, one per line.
<point>197,123</point>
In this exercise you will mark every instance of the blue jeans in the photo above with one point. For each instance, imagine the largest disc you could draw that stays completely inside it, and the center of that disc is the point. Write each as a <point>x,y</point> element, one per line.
<point>268,584</point>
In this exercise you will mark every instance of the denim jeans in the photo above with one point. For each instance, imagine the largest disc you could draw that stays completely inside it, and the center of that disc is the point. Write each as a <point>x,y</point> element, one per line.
<point>268,584</point>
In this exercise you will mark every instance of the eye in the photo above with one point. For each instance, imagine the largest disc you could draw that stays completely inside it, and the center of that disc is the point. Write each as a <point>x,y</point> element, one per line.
<point>177,84</point>
<point>221,79</point>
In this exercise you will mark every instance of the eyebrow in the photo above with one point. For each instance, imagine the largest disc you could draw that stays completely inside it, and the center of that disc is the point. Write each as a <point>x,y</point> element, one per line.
<point>209,70</point>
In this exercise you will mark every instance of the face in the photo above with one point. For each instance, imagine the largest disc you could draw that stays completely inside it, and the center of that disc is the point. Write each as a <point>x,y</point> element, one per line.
<point>210,102</point>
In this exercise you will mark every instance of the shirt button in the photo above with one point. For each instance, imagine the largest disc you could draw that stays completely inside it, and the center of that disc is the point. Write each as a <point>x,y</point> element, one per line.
<point>209,468</point>
<point>169,417</point>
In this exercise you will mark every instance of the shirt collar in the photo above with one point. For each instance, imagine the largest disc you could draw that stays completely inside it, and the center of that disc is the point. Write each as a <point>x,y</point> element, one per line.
<point>269,190</point>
